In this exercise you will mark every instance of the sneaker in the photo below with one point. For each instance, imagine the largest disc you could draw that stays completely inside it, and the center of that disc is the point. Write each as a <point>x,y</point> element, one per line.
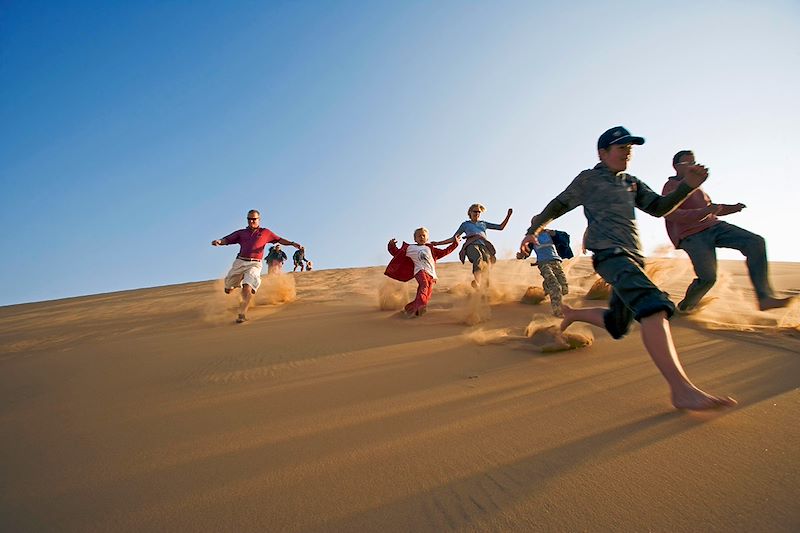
<point>240,319</point>
<point>228,291</point>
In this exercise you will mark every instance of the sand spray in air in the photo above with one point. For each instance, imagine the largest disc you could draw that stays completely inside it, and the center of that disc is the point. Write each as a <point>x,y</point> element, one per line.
<point>483,337</point>
<point>392,295</point>
<point>219,307</point>
<point>728,306</point>
<point>276,289</point>
<point>545,333</point>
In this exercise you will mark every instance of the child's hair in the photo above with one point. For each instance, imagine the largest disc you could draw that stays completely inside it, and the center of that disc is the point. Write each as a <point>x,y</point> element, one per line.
<point>476,206</point>
<point>423,228</point>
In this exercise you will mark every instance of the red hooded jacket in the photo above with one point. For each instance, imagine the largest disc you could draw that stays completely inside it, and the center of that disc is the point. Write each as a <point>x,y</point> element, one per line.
<point>401,267</point>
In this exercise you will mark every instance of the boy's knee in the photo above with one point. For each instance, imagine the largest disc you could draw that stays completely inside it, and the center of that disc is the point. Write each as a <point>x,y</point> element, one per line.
<point>707,280</point>
<point>756,245</point>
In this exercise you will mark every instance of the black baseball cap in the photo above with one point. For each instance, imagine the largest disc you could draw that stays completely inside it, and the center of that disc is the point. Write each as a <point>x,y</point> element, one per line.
<point>617,135</point>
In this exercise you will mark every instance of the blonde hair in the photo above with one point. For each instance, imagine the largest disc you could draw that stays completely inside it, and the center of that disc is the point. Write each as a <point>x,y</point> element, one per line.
<point>423,228</point>
<point>479,207</point>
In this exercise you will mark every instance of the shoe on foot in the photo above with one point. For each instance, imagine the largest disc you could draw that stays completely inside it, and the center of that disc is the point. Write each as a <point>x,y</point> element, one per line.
<point>773,303</point>
<point>227,290</point>
<point>240,319</point>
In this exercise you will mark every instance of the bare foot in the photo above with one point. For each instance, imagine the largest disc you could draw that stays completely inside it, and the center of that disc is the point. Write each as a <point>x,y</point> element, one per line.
<point>773,303</point>
<point>694,399</point>
<point>569,316</point>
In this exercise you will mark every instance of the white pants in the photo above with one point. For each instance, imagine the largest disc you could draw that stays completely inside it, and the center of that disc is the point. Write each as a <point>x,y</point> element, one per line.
<point>248,272</point>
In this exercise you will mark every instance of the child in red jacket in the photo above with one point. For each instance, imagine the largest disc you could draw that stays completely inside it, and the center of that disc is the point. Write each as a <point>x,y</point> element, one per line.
<point>417,261</point>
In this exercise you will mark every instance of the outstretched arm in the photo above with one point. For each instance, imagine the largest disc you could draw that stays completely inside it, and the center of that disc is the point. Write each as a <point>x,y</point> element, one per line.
<point>505,220</point>
<point>290,243</point>
<point>728,209</point>
<point>452,240</point>
<point>439,252</point>
<point>654,204</point>
<point>551,211</point>
<point>392,247</point>
<point>682,215</point>
<point>219,242</point>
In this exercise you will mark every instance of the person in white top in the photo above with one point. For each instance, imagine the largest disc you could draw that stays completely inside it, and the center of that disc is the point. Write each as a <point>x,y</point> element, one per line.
<point>417,261</point>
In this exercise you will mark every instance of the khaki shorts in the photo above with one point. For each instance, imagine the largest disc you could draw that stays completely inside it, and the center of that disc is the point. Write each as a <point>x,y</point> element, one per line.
<point>247,272</point>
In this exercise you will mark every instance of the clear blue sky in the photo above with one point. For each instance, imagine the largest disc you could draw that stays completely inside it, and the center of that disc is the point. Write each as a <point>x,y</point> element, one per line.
<point>134,133</point>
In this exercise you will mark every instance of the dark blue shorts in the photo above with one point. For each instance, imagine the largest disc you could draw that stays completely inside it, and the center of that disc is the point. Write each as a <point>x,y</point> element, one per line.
<point>633,295</point>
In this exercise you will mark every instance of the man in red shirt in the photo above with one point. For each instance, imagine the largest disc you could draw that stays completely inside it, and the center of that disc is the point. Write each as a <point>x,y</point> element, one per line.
<point>246,269</point>
<point>696,228</point>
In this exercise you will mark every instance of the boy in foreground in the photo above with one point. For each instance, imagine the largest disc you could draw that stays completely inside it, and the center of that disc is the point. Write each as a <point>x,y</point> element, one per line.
<point>609,197</point>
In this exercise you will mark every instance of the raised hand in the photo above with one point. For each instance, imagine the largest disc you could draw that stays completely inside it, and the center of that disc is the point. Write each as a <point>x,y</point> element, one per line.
<point>525,245</point>
<point>695,175</point>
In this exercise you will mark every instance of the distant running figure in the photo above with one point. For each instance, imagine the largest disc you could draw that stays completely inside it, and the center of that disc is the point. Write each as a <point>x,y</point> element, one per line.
<point>695,228</point>
<point>299,259</point>
<point>417,261</point>
<point>246,269</point>
<point>554,282</point>
<point>608,196</point>
<point>275,259</point>
<point>477,247</point>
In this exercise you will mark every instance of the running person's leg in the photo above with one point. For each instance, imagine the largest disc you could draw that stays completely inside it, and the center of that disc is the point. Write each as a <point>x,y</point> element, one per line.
<point>754,248</point>
<point>551,286</point>
<point>651,307</point>
<point>701,248</point>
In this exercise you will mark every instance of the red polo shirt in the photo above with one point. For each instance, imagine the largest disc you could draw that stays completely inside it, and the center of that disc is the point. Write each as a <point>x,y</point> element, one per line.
<point>251,241</point>
<point>692,216</point>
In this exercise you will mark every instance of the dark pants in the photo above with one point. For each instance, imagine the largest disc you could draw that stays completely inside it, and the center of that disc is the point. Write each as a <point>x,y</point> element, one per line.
<point>479,256</point>
<point>701,248</point>
<point>633,294</point>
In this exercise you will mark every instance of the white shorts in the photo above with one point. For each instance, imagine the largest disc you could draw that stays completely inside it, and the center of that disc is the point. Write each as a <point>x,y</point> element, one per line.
<point>248,272</point>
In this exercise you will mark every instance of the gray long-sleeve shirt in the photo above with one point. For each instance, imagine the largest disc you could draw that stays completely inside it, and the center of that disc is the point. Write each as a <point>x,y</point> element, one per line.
<point>608,201</point>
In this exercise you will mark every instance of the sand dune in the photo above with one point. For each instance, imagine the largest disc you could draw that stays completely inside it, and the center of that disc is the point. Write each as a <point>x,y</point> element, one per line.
<point>150,410</point>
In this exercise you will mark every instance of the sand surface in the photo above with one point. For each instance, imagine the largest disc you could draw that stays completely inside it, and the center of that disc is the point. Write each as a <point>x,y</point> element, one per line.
<point>149,410</point>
